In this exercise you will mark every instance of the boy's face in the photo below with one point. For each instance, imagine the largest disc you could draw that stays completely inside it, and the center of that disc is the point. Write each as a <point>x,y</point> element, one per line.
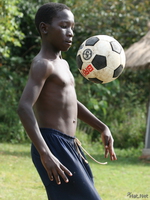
<point>60,31</point>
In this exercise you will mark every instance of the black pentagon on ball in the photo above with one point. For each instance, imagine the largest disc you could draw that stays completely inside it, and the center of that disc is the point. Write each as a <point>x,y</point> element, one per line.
<point>91,41</point>
<point>79,61</point>
<point>99,62</point>
<point>116,47</point>
<point>117,71</point>
<point>95,80</point>
<point>82,45</point>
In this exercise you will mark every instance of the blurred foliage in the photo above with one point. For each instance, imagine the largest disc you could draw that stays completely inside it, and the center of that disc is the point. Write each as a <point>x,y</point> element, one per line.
<point>10,126</point>
<point>121,104</point>
<point>10,33</point>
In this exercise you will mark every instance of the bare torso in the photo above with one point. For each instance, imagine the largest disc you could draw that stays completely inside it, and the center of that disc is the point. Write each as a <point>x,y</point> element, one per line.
<point>56,106</point>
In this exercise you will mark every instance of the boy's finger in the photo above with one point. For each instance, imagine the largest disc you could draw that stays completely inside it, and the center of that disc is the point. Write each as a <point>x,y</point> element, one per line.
<point>66,170</point>
<point>62,171</point>
<point>63,176</point>
<point>114,157</point>
<point>106,151</point>
<point>112,154</point>
<point>50,176</point>
<point>106,142</point>
<point>57,178</point>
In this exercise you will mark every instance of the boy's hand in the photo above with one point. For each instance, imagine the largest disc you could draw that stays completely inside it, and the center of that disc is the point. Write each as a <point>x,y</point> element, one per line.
<point>108,144</point>
<point>55,169</point>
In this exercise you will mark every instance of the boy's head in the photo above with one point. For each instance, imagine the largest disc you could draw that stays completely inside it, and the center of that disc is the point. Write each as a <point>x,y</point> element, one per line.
<point>47,12</point>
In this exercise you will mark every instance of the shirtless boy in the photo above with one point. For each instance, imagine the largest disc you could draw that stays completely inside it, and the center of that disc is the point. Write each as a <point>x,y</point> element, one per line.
<point>49,109</point>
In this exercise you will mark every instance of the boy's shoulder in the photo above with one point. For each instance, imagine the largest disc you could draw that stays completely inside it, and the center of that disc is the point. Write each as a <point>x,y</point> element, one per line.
<point>41,66</point>
<point>39,61</point>
<point>46,67</point>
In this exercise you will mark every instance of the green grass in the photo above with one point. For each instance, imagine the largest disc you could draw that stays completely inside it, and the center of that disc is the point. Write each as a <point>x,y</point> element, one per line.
<point>128,174</point>
<point>20,181</point>
<point>18,177</point>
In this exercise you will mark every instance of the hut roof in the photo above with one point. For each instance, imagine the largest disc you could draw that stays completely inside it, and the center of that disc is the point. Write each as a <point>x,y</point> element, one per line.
<point>138,54</point>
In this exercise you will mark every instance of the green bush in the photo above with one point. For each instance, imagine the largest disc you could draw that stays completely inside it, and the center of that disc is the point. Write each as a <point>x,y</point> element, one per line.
<point>11,129</point>
<point>128,126</point>
<point>121,104</point>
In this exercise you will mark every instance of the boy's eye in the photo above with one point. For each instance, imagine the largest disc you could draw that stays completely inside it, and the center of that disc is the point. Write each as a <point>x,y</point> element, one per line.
<point>63,26</point>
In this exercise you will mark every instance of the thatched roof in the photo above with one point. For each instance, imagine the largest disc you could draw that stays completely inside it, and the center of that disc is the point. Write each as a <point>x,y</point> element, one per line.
<point>138,54</point>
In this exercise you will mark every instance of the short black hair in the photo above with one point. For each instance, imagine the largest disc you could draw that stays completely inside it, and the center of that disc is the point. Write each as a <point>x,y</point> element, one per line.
<point>47,12</point>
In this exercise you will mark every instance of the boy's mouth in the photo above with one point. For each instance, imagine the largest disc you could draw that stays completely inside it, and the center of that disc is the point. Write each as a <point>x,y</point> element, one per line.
<point>69,41</point>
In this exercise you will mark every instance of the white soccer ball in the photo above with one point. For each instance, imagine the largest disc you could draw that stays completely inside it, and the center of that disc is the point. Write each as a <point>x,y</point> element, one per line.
<point>101,59</point>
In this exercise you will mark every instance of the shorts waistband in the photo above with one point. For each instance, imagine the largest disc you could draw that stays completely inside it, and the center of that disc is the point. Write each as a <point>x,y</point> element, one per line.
<point>56,132</point>
<point>71,139</point>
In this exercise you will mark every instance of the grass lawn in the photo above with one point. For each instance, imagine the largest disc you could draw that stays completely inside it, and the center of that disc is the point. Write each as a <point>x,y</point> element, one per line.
<point>126,178</point>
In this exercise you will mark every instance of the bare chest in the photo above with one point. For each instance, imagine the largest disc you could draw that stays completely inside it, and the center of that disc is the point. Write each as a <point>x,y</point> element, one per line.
<point>62,76</point>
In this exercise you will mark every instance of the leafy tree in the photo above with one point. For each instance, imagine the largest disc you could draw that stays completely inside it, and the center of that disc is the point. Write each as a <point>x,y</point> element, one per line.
<point>10,34</point>
<point>126,20</point>
<point>11,37</point>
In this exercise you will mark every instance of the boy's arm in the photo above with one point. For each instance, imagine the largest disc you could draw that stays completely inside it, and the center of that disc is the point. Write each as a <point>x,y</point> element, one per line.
<point>35,83</point>
<point>85,115</point>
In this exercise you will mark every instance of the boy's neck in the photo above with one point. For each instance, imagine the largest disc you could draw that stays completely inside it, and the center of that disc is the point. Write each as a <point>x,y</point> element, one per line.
<point>48,52</point>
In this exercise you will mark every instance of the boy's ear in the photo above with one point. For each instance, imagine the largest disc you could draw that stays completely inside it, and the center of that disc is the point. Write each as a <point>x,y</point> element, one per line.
<point>43,28</point>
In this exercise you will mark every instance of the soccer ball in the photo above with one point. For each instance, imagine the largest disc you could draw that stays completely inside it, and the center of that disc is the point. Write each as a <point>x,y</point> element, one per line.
<point>101,59</point>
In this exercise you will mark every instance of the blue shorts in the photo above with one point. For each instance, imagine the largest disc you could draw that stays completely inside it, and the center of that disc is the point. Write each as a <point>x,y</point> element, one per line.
<point>63,147</point>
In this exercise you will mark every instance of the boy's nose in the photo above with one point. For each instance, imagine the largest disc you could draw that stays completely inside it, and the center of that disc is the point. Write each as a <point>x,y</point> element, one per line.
<point>70,32</point>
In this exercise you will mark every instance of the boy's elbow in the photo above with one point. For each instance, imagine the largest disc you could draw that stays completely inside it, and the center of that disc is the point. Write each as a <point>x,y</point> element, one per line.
<point>19,109</point>
<point>24,108</point>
